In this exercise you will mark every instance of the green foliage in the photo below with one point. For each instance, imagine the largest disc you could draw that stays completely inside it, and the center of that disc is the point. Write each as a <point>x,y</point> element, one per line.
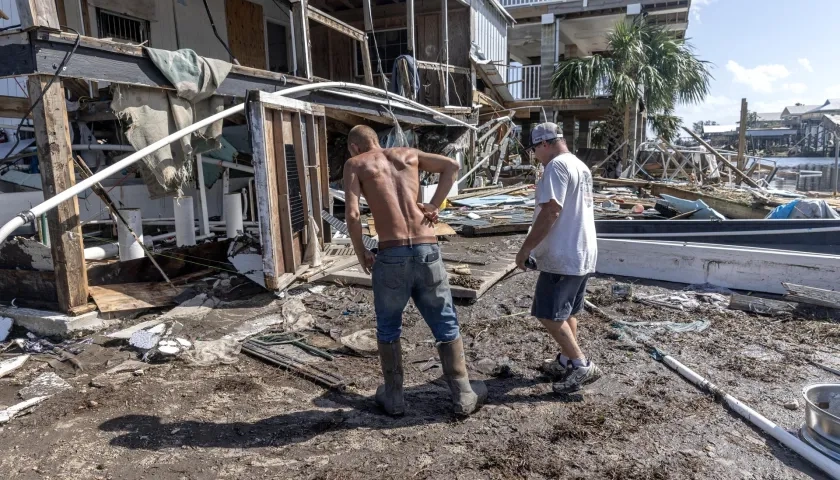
<point>643,63</point>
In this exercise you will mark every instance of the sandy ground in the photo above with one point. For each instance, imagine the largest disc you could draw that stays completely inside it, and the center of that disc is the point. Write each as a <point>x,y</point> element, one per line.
<point>252,420</point>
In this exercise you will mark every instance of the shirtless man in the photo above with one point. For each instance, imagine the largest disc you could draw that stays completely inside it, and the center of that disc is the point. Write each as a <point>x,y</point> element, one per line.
<point>408,262</point>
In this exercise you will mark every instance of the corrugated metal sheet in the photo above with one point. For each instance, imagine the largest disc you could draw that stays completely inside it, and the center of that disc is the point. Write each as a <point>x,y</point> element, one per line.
<point>490,28</point>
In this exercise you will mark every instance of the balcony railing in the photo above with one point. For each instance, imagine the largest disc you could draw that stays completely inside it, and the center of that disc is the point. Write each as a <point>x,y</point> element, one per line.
<point>526,3</point>
<point>524,81</point>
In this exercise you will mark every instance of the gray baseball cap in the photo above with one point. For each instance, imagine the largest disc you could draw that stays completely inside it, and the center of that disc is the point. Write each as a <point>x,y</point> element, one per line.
<point>545,132</point>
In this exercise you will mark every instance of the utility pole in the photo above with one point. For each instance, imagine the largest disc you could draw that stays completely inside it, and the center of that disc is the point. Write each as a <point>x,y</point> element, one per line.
<point>742,137</point>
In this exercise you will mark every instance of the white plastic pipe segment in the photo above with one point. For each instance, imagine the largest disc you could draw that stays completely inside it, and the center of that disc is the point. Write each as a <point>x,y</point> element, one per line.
<point>29,215</point>
<point>831,468</point>
<point>184,221</point>
<point>130,247</point>
<point>233,215</point>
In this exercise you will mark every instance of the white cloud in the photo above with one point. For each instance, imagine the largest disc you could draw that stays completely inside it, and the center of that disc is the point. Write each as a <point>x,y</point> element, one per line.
<point>797,88</point>
<point>806,64</point>
<point>833,91</point>
<point>697,6</point>
<point>760,78</point>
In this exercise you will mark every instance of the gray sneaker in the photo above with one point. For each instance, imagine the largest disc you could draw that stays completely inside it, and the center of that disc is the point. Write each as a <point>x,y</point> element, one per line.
<point>575,378</point>
<point>552,368</point>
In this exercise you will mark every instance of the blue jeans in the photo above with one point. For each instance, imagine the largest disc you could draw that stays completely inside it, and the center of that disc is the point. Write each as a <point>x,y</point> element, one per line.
<point>416,272</point>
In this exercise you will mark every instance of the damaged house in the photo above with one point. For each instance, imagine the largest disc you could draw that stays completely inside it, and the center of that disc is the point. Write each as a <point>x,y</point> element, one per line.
<point>203,120</point>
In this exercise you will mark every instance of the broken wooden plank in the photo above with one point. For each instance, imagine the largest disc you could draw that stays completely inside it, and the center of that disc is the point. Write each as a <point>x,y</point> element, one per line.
<point>498,270</point>
<point>761,306</point>
<point>441,229</point>
<point>728,208</point>
<point>125,297</point>
<point>331,265</point>
<point>812,296</point>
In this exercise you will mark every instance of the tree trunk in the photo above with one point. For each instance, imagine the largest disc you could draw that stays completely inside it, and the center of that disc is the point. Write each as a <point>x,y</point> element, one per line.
<point>614,133</point>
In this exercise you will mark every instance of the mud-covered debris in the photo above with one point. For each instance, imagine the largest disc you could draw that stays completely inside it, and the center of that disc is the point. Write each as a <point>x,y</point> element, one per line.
<point>466,281</point>
<point>362,342</point>
<point>45,384</point>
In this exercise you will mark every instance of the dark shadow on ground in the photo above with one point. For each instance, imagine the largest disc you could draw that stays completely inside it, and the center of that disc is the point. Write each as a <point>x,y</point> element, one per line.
<point>426,404</point>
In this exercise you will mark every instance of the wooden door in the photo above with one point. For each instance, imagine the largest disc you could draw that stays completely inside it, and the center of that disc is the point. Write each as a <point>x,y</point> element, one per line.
<point>246,32</point>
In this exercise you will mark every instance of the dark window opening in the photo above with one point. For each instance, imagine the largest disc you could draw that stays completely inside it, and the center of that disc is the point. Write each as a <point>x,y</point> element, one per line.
<point>278,53</point>
<point>391,44</point>
<point>122,28</point>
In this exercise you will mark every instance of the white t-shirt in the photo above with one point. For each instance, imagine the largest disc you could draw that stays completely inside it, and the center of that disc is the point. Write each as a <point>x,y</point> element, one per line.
<point>571,247</point>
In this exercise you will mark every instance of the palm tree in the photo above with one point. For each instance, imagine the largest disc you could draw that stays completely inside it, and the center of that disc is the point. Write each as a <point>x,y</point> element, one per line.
<point>643,64</point>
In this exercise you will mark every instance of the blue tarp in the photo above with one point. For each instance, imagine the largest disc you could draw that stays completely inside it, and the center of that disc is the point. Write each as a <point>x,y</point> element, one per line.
<point>800,208</point>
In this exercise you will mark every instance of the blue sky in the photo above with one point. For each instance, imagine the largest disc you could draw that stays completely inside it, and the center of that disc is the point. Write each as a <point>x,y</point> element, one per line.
<point>774,53</point>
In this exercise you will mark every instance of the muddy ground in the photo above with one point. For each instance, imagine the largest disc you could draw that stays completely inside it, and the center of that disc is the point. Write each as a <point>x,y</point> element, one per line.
<point>252,420</point>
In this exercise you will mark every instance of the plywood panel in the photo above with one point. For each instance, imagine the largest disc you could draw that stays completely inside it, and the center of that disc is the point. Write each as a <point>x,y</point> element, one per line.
<point>246,32</point>
<point>134,296</point>
<point>342,54</point>
<point>319,41</point>
<point>459,38</point>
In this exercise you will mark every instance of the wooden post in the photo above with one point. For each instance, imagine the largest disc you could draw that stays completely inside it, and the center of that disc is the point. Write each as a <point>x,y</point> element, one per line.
<point>301,29</point>
<point>366,61</point>
<point>409,23</point>
<point>742,136</point>
<point>367,13</point>
<point>324,165</point>
<point>53,139</point>
<point>38,13</point>
<point>313,169</point>
<point>444,51</point>
<point>836,160</point>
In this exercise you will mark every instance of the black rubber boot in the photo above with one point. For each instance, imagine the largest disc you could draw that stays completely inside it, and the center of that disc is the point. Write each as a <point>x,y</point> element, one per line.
<point>390,395</point>
<point>466,396</point>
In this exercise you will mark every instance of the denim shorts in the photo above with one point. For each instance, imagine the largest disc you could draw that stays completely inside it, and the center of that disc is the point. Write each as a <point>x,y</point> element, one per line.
<point>558,297</point>
<point>415,272</point>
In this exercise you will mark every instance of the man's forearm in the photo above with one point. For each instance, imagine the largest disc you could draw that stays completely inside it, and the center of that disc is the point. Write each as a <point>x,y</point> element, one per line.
<point>545,220</point>
<point>445,182</point>
<point>354,227</point>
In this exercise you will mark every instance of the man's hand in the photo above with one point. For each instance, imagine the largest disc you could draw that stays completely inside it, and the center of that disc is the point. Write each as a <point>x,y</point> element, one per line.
<point>366,260</point>
<point>430,211</point>
<point>521,258</point>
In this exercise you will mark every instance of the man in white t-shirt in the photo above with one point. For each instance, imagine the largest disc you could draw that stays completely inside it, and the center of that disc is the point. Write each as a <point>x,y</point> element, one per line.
<point>563,247</point>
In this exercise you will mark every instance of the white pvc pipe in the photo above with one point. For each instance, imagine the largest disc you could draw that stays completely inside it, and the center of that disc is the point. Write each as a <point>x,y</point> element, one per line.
<point>831,468</point>
<point>83,185</point>
<point>184,221</point>
<point>233,215</point>
<point>129,246</point>
<point>108,250</point>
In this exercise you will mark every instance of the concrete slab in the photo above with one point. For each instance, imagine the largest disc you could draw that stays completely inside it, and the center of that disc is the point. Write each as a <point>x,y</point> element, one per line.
<point>43,322</point>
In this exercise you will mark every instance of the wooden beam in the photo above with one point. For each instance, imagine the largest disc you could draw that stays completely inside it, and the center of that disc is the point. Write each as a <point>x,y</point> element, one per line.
<point>812,296</point>
<point>565,104</point>
<point>37,13</point>
<point>444,50</point>
<point>749,181</point>
<point>313,171</point>
<point>302,48</point>
<point>761,306</point>
<point>324,168</point>
<point>366,65</point>
<point>742,136</point>
<point>423,65</point>
<point>334,23</point>
<point>261,124</point>
<point>52,135</point>
<point>303,171</point>
<point>410,25</point>
<point>13,107</point>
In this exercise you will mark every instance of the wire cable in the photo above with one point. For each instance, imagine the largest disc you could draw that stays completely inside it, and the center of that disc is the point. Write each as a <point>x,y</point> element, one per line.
<point>37,101</point>
<point>216,32</point>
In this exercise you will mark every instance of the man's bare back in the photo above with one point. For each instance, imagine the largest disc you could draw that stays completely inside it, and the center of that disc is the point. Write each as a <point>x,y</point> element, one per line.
<point>389,180</point>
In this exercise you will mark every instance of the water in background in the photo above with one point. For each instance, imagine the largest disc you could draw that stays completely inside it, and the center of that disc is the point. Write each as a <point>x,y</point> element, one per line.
<point>790,162</point>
